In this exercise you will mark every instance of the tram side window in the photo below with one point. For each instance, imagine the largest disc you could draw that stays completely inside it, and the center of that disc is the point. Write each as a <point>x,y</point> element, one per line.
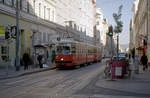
<point>66,50</point>
<point>95,51</point>
<point>86,51</point>
<point>89,51</point>
<point>73,49</point>
<point>63,49</point>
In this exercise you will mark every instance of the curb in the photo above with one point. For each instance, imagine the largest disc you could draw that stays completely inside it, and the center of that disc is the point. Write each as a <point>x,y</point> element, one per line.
<point>27,73</point>
<point>37,71</point>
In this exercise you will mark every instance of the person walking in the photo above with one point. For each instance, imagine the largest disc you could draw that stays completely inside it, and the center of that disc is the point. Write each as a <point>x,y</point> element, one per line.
<point>136,64</point>
<point>53,56</point>
<point>39,58</point>
<point>26,60</point>
<point>144,61</point>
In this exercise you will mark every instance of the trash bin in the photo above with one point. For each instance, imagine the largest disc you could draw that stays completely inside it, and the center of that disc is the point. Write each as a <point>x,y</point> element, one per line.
<point>118,69</point>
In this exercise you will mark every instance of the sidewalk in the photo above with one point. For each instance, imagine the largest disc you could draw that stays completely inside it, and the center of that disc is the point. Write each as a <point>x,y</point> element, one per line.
<point>10,72</point>
<point>137,83</point>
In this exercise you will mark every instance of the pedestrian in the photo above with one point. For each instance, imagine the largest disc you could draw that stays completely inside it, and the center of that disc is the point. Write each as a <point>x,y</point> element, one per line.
<point>136,64</point>
<point>26,60</point>
<point>104,56</point>
<point>39,58</point>
<point>144,61</point>
<point>53,56</point>
<point>129,56</point>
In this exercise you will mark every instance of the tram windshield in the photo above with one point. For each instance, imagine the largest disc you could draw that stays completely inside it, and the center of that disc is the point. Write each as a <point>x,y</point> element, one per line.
<point>63,50</point>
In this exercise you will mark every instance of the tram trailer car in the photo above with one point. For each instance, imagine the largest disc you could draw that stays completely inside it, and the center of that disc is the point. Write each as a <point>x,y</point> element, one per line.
<point>71,53</point>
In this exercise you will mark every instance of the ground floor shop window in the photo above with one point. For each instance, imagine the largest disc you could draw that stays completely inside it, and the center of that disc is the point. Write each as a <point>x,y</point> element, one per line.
<point>4,52</point>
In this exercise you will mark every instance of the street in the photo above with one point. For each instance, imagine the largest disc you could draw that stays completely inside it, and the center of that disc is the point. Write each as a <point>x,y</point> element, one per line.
<point>83,82</point>
<point>54,83</point>
<point>38,38</point>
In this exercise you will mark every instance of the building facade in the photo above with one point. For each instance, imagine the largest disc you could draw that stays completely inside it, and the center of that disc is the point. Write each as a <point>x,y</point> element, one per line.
<point>42,22</point>
<point>140,27</point>
<point>102,28</point>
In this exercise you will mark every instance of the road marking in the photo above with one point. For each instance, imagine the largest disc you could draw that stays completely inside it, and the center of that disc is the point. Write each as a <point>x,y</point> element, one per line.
<point>16,82</point>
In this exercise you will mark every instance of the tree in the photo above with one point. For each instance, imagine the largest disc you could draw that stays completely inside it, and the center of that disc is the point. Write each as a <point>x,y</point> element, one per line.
<point>119,24</point>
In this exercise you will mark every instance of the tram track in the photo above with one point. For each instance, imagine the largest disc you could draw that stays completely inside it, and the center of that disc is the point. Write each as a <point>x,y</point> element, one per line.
<point>56,79</point>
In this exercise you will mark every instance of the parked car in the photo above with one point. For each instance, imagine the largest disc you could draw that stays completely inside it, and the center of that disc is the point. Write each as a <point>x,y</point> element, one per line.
<point>119,57</point>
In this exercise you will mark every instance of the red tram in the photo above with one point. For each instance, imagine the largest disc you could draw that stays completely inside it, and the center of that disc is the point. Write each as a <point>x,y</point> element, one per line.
<point>71,53</point>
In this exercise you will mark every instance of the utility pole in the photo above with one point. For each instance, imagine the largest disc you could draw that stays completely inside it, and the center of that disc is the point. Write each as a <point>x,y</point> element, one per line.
<point>17,38</point>
<point>117,47</point>
<point>111,59</point>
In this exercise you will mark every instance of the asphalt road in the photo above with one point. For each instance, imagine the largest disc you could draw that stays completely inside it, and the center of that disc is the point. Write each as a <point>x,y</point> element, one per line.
<point>50,84</point>
<point>66,83</point>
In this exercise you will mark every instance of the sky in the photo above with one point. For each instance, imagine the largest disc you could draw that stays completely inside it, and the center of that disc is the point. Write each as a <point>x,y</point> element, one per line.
<point>111,6</point>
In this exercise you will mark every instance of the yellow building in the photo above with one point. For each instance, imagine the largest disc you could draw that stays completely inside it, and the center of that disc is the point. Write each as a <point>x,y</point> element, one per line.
<point>10,44</point>
<point>34,33</point>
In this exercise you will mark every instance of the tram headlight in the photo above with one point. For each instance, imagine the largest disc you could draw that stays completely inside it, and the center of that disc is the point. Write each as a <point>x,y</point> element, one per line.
<point>62,59</point>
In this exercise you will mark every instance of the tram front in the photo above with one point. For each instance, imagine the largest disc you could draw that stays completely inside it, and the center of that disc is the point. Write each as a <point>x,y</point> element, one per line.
<point>63,55</point>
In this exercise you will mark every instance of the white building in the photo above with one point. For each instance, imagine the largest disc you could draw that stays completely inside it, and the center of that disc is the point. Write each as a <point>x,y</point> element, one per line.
<point>132,25</point>
<point>79,12</point>
<point>102,27</point>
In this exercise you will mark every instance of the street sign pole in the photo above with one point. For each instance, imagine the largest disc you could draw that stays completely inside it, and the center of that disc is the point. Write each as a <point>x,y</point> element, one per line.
<point>111,59</point>
<point>110,33</point>
<point>17,38</point>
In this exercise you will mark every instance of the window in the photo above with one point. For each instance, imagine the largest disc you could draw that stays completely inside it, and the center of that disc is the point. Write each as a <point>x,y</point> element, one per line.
<point>63,50</point>
<point>44,37</point>
<point>44,12</point>
<point>53,16</point>
<point>28,6</point>
<point>4,50</point>
<point>34,6</point>
<point>75,26</point>
<point>49,13</point>
<point>97,22</point>
<point>12,1</point>
<point>20,4</point>
<point>2,1</point>
<point>73,49</point>
<point>39,9</point>
<point>81,29</point>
